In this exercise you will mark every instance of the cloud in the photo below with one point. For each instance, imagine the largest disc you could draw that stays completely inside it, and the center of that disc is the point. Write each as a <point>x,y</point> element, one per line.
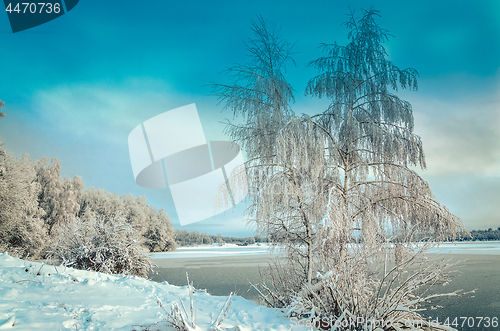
<point>103,111</point>
<point>474,199</point>
<point>458,119</point>
<point>461,136</point>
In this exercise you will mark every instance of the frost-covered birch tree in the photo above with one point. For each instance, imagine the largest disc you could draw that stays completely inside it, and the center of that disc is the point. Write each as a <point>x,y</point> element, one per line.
<point>378,207</point>
<point>370,141</point>
<point>287,199</point>
<point>338,190</point>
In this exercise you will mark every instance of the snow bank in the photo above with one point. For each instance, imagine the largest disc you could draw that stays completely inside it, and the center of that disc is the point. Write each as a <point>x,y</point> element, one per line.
<point>35,296</point>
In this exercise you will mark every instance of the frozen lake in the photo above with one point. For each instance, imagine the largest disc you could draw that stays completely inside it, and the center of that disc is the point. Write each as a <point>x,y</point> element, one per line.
<point>469,247</point>
<point>230,268</point>
<point>214,251</point>
<point>231,250</point>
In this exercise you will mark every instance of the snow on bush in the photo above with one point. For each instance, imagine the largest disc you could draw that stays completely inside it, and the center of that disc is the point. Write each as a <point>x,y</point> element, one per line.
<point>105,245</point>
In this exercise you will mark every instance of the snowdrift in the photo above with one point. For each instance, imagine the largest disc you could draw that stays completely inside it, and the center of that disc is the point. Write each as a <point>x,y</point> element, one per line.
<point>37,296</point>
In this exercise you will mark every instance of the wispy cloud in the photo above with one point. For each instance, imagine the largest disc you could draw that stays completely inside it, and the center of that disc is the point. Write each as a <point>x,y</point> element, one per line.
<point>104,111</point>
<point>461,136</point>
<point>459,125</point>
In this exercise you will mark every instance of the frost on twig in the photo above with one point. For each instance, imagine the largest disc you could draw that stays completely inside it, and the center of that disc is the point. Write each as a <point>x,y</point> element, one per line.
<point>216,325</point>
<point>179,319</point>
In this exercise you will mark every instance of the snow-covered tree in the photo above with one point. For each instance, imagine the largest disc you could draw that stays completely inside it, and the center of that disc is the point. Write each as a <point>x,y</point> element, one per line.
<point>159,232</point>
<point>58,197</point>
<point>287,200</point>
<point>337,189</point>
<point>378,206</point>
<point>100,203</point>
<point>22,230</point>
<point>370,143</point>
<point>136,211</point>
<point>154,227</point>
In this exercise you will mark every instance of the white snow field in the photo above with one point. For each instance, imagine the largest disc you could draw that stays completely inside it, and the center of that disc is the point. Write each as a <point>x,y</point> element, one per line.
<point>36,296</point>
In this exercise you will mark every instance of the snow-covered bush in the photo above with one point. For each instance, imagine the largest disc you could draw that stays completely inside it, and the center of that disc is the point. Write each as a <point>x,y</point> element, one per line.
<point>104,245</point>
<point>153,226</point>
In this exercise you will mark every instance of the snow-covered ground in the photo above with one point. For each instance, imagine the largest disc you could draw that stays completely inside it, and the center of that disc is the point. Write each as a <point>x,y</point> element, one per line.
<point>34,296</point>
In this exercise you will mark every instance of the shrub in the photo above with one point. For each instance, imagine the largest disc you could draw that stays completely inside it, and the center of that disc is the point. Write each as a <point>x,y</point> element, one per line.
<point>104,245</point>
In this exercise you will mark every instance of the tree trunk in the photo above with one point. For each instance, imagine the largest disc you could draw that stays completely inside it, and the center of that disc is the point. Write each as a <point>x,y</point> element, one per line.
<point>309,262</point>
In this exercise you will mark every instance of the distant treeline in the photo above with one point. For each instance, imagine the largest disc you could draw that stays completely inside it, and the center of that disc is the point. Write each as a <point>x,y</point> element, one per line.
<point>481,235</point>
<point>194,238</point>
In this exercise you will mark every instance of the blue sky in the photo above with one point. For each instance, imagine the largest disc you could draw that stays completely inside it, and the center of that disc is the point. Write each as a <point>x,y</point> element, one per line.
<point>75,87</point>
